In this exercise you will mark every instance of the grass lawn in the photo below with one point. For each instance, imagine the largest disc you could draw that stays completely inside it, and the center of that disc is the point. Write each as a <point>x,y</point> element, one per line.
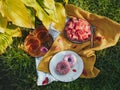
<point>18,71</point>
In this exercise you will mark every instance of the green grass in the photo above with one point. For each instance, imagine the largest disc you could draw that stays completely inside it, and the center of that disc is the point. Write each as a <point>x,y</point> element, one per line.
<point>18,71</point>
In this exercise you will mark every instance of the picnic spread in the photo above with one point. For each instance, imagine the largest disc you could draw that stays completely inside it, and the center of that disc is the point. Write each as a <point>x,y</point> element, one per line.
<point>106,34</point>
<point>64,44</point>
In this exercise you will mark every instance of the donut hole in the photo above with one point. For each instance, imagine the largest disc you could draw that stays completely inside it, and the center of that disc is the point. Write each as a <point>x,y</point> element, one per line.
<point>69,59</point>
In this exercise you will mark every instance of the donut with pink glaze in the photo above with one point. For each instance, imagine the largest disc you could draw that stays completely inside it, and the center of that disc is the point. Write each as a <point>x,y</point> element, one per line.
<point>71,59</point>
<point>62,67</point>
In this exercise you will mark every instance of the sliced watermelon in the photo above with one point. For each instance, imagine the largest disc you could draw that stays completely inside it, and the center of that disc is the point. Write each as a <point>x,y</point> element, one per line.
<point>74,36</point>
<point>78,29</point>
<point>70,25</point>
<point>84,36</point>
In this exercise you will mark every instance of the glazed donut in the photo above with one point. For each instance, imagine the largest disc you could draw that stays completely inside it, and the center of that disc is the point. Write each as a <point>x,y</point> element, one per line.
<point>71,59</point>
<point>62,67</point>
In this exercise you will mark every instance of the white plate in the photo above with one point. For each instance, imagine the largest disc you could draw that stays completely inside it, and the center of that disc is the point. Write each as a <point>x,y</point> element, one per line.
<point>72,75</point>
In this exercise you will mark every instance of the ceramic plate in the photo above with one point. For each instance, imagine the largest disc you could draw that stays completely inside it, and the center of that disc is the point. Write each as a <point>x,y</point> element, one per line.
<point>75,71</point>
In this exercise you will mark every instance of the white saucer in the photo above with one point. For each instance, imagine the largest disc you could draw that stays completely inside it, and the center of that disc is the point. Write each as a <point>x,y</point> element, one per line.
<point>75,71</point>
